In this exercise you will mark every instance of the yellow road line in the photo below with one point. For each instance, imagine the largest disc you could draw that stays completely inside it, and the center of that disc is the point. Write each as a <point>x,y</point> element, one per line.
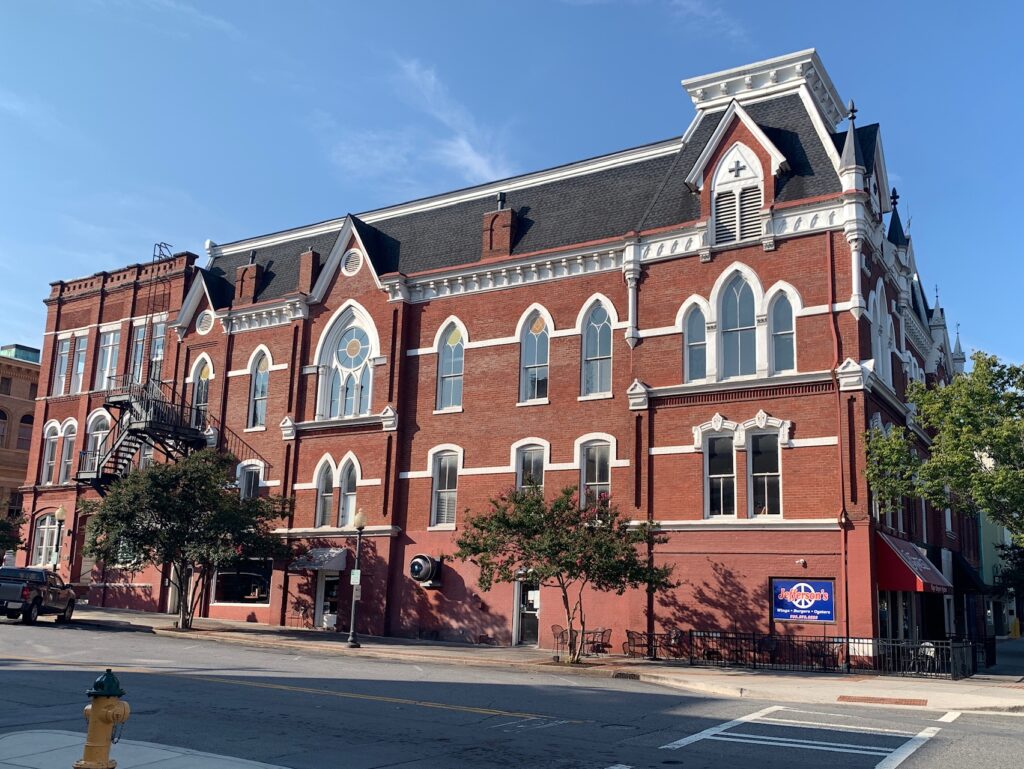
<point>288,688</point>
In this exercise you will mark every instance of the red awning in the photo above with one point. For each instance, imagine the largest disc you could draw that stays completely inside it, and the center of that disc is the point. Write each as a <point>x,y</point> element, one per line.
<point>901,566</point>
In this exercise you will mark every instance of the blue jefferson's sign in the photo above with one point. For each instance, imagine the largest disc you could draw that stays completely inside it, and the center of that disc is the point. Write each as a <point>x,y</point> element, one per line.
<point>803,600</point>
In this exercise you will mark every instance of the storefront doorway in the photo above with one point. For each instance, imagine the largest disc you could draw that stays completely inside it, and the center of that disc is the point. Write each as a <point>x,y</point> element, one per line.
<point>528,613</point>
<point>327,583</point>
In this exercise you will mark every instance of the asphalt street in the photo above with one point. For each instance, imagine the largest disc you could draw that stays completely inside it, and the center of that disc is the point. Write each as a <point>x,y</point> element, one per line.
<point>320,711</point>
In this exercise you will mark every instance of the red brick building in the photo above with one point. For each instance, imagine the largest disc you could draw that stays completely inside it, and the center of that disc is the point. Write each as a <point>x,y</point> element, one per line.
<point>704,327</point>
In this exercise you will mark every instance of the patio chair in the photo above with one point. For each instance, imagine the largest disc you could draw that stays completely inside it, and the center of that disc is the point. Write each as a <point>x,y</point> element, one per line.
<point>599,641</point>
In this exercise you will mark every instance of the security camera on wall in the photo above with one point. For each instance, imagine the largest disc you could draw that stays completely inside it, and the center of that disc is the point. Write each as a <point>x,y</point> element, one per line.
<point>426,570</point>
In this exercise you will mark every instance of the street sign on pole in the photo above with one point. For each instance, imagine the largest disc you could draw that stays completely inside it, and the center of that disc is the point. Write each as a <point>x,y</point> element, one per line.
<point>357,592</point>
<point>355,576</point>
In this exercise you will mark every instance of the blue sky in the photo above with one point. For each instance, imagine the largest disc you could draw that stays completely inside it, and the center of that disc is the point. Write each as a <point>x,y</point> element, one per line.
<point>126,122</point>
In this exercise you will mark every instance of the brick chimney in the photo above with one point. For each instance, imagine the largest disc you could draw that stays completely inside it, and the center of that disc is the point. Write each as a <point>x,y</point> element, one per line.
<point>247,277</point>
<point>499,230</point>
<point>309,270</point>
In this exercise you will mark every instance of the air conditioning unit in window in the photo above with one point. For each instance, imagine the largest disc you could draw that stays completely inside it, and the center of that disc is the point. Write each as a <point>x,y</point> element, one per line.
<point>426,570</point>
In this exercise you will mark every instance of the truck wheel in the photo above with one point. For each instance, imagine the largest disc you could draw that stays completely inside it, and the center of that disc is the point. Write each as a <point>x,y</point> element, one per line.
<point>65,616</point>
<point>31,613</point>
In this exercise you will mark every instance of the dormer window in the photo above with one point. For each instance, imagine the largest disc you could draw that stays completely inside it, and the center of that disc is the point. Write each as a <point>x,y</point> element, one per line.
<point>738,196</point>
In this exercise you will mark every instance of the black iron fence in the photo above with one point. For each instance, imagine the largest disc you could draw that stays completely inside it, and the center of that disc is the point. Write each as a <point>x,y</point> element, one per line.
<point>950,659</point>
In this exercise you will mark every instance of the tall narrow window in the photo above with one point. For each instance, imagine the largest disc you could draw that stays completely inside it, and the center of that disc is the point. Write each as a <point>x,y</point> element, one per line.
<point>530,470</point>
<point>249,482</point>
<point>3,429</point>
<point>533,383</point>
<point>347,506</point>
<point>201,395</point>
<point>738,335</point>
<point>49,454</point>
<point>721,472</point>
<point>764,474</point>
<point>450,368</point>
<point>46,541</point>
<point>348,391</point>
<point>60,367</point>
<point>25,433</point>
<point>783,352</point>
<point>67,454</point>
<point>138,353</point>
<point>145,456</point>
<point>597,352</point>
<point>96,442</point>
<point>78,367</point>
<point>446,483</point>
<point>156,352</point>
<point>324,496</point>
<point>258,393</point>
<point>696,346</point>
<point>597,477</point>
<point>106,368</point>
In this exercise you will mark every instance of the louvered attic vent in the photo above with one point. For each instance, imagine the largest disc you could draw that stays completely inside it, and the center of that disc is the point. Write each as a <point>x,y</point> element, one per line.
<point>725,217</point>
<point>750,208</point>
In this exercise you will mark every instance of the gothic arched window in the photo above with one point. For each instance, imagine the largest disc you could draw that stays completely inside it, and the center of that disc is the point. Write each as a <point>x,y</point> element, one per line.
<point>533,360</point>
<point>739,347</point>
<point>597,352</point>
<point>783,347</point>
<point>696,346</point>
<point>451,362</point>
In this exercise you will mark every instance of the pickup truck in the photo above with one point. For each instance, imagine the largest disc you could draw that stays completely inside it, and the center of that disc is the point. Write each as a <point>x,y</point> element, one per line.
<point>27,593</point>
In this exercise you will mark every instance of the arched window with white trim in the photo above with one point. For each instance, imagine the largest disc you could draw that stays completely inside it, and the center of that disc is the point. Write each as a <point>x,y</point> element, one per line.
<point>696,346</point>
<point>451,362</point>
<point>534,347</point>
<point>50,453</point>
<point>202,373</point>
<point>258,391</point>
<point>739,343</point>
<point>345,370</point>
<point>96,439</point>
<point>597,352</point>
<point>783,344</point>
<point>324,496</point>
<point>737,196</point>
<point>530,467</point>
<point>595,473</point>
<point>67,454</point>
<point>46,541</point>
<point>347,495</point>
<point>446,485</point>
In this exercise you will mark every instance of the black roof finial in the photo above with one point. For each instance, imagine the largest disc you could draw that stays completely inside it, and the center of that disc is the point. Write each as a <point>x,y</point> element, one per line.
<point>851,110</point>
<point>894,197</point>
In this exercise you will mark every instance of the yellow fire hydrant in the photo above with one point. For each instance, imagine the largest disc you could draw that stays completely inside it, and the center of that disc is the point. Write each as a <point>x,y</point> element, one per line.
<point>104,712</point>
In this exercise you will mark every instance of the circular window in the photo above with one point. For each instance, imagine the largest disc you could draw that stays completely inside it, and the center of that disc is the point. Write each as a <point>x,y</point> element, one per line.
<point>204,372</point>
<point>353,348</point>
<point>205,322</point>
<point>350,262</point>
<point>599,316</point>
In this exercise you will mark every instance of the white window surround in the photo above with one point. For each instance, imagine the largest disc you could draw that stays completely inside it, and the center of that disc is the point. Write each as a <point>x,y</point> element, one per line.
<point>705,440</point>
<point>595,388</point>
<point>520,452</point>
<point>271,366</point>
<point>336,470</point>
<point>350,315</point>
<point>196,367</point>
<point>453,354</point>
<point>760,422</point>
<point>451,487</point>
<point>537,402</point>
<point>780,444</point>
<point>770,302</point>
<point>883,341</point>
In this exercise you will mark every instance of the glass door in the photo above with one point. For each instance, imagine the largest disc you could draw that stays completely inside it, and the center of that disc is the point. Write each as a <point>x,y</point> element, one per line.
<point>529,613</point>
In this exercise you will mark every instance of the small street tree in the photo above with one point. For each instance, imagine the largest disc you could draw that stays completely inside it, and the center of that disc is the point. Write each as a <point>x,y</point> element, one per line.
<point>891,469</point>
<point>561,543</point>
<point>188,515</point>
<point>10,533</point>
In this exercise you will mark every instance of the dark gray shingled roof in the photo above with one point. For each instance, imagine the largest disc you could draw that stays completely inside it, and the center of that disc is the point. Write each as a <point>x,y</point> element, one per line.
<point>646,194</point>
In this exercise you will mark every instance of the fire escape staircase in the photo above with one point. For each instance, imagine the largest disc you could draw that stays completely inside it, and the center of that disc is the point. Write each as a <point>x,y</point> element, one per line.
<point>153,414</point>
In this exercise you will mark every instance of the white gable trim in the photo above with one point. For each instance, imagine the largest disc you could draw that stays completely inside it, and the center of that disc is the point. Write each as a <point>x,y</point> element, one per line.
<point>695,179</point>
<point>195,294</point>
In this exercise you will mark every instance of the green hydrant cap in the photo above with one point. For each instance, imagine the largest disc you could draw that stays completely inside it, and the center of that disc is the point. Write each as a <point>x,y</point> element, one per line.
<point>106,685</point>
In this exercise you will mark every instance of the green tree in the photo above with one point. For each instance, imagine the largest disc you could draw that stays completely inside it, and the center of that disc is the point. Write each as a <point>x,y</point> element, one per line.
<point>891,468</point>
<point>561,543</point>
<point>977,453</point>
<point>188,515</point>
<point>10,533</point>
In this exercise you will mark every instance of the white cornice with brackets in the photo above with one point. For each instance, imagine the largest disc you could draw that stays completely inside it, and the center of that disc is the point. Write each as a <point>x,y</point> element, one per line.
<point>266,316</point>
<point>492,277</point>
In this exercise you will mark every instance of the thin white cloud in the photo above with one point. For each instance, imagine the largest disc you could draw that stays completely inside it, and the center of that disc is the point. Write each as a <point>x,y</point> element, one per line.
<point>711,17</point>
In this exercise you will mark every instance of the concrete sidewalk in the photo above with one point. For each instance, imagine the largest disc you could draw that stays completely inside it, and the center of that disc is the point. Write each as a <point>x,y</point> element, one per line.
<point>53,749</point>
<point>997,692</point>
